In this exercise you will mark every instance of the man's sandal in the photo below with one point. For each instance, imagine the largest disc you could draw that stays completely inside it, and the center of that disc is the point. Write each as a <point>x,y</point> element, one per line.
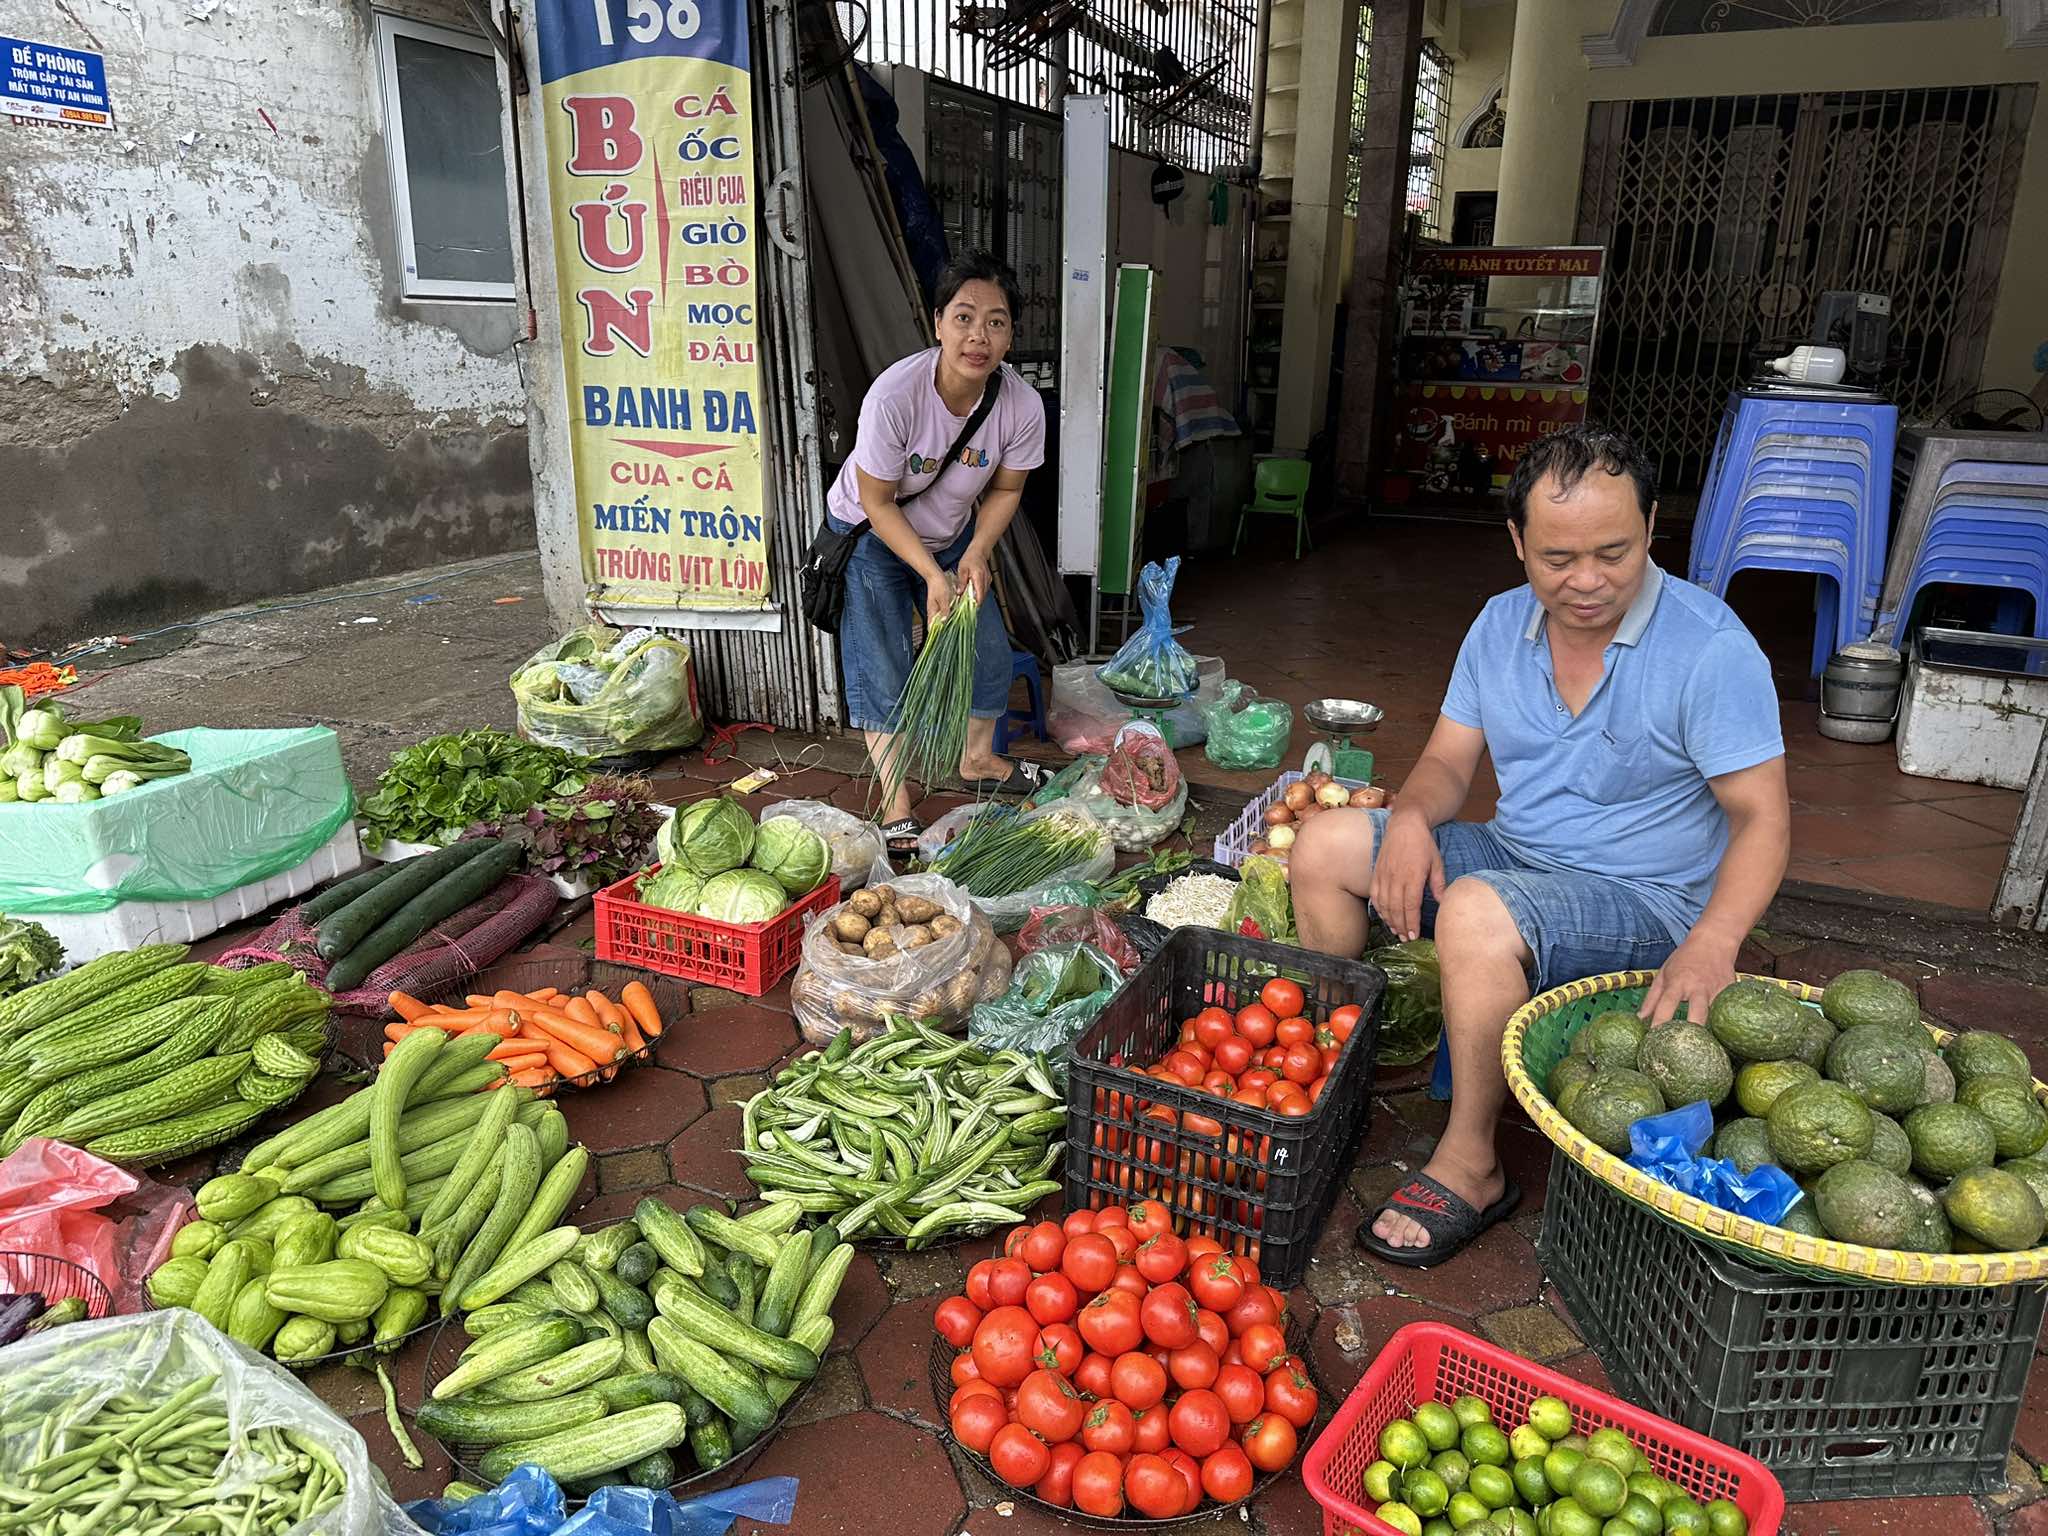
<point>1449,1218</point>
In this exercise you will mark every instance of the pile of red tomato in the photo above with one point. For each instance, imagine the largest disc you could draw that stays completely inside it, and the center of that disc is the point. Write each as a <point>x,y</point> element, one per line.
<point>1266,1055</point>
<point>1108,1365</point>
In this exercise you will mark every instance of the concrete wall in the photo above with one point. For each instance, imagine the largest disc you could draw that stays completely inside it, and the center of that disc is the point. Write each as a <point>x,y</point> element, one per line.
<point>210,389</point>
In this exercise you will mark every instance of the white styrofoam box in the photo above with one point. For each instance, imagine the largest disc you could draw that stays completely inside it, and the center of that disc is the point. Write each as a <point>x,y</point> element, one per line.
<point>1972,725</point>
<point>88,935</point>
<point>391,850</point>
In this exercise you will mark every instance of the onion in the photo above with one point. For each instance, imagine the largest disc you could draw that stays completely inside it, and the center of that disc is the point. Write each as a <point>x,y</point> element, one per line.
<point>1313,808</point>
<point>1259,845</point>
<point>1282,838</point>
<point>1316,780</point>
<point>1370,797</point>
<point>1278,815</point>
<point>1332,795</point>
<point>1298,794</point>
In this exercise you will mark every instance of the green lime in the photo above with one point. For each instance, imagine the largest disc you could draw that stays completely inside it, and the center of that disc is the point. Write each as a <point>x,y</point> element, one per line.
<point>1439,1426</point>
<point>1613,1447</point>
<point>1465,1509</point>
<point>1526,1440</point>
<point>1649,1486</point>
<point>1569,1518</point>
<point>1619,1527</point>
<point>1491,1486</point>
<point>1599,1489</point>
<point>1516,1522</point>
<point>1484,1443</point>
<point>1424,1492</point>
<point>1530,1482</point>
<point>1551,1417</point>
<point>1558,1468</point>
<point>1642,1514</point>
<point>1683,1517</point>
<point>1438,1527</point>
<point>1400,1517</point>
<point>1724,1519</point>
<point>1569,1443</point>
<point>1452,1467</point>
<point>1471,1410</point>
<point>1403,1444</point>
<point>1379,1481</point>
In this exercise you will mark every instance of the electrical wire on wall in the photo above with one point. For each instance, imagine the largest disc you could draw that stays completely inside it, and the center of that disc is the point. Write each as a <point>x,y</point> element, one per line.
<point>515,78</point>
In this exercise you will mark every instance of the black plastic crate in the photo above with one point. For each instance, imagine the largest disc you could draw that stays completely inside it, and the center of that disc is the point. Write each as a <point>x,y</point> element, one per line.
<point>1844,1391</point>
<point>1258,1182</point>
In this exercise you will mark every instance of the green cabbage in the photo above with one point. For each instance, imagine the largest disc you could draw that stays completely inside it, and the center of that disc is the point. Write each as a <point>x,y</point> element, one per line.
<point>741,896</point>
<point>675,887</point>
<point>711,836</point>
<point>792,853</point>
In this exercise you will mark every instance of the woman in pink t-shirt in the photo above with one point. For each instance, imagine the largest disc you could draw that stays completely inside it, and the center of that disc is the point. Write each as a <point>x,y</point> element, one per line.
<point>937,519</point>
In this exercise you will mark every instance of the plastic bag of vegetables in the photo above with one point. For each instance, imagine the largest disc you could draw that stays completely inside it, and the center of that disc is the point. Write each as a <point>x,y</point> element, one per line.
<point>1262,900</point>
<point>1246,730</point>
<point>914,945</point>
<point>602,693</point>
<point>1152,664</point>
<point>858,854</point>
<point>1412,1016</point>
<point>1055,994</point>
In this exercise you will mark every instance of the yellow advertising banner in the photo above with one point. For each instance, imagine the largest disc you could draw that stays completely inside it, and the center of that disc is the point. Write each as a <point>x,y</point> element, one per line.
<point>650,142</point>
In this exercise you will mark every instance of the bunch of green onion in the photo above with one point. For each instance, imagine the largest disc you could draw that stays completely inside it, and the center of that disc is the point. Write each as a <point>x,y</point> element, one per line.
<point>998,853</point>
<point>929,723</point>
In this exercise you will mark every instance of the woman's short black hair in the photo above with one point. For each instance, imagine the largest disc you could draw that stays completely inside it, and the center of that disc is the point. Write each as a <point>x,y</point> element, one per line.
<point>977,267</point>
<point>1569,454</point>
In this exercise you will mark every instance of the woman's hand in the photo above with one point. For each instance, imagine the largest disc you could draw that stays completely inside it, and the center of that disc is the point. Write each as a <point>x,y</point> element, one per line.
<point>974,574</point>
<point>938,596</point>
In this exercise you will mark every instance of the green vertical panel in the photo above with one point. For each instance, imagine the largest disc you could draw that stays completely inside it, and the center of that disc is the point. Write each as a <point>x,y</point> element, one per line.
<point>1130,419</point>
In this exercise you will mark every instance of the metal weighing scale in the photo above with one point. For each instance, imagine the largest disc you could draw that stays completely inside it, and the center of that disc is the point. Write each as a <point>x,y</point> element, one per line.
<point>1340,720</point>
<point>1153,710</point>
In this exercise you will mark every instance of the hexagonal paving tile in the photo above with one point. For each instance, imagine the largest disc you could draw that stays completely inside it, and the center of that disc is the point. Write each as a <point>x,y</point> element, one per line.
<point>861,1473</point>
<point>894,1358</point>
<point>746,1038</point>
<point>643,1106</point>
<point>703,1157</point>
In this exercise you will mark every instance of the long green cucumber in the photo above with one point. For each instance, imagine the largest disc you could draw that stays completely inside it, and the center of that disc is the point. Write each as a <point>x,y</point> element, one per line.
<point>617,1440</point>
<point>822,1288</point>
<point>345,929</point>
<point>551,1200</point>
<point>776,1310</point>
<point>452,1236</point>
<point>484,1135</point>
<point>507,1350</point>
<point>705,1320</point>
<point>342,892</point>
<point>518,1179</point>
<point>453,891</point>
<point>710,1373</point>
<point>715,1226</point>
<point>816,1336</point>
<point>423,1125</point>
<point>470,1422</point>
<point>460,1067</point>
<point>519,1262</point>
<point>388,1094</point>
<point>571,1371</point>
<point>681,1249</point>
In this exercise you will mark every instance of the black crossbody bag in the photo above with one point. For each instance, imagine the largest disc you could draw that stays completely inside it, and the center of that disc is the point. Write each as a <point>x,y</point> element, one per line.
<point>824,568</point>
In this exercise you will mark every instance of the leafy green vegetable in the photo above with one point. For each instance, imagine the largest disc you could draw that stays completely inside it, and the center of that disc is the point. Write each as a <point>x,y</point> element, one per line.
<point>597,833</point>
<point>436,789</point>
<point>1412,1016</point>
<point>741,896</point>
<point>791,852</point>
<point>1263,898</point>
<point>711,836</point>
<point>27,950</point>
<point>675,886</point>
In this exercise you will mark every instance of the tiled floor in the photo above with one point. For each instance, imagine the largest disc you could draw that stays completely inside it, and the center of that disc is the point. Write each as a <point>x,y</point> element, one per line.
<point>1379,615</point>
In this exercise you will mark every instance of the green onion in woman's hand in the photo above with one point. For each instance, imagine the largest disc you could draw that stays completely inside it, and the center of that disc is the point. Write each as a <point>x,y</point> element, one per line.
<point>929,723</point>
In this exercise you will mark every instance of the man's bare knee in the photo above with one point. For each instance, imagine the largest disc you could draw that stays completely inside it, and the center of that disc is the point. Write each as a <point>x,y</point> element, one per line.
<point>1334,848</point>
<point>1473,923</point>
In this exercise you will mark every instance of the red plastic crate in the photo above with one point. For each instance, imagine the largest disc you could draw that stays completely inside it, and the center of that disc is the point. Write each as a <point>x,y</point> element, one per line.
<point>1428,1360</point>
<point>749,958</point>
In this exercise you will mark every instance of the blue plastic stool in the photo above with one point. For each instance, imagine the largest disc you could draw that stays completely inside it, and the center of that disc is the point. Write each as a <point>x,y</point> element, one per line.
<point>1440,1075</point>
<point>1025,665</point>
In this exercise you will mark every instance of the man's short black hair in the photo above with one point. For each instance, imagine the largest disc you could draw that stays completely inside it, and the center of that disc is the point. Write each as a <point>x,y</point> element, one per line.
<point>1567,456</point>
<point>977,267</point>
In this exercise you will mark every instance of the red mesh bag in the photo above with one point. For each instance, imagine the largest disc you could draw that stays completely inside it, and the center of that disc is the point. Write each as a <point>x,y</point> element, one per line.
<point>1050,926</point>
<point>1141,769</point>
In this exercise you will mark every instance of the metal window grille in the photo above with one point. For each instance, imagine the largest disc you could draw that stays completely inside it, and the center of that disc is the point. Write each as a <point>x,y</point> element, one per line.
<point>1360,70</point>
<point>1426,143</point>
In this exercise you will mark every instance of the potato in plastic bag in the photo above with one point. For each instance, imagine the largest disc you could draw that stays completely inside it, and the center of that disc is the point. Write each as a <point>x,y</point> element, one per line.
<point>919,948</point>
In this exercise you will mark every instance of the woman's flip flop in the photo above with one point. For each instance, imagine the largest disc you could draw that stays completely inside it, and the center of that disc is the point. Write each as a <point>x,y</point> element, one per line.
<point>1449,1218</point>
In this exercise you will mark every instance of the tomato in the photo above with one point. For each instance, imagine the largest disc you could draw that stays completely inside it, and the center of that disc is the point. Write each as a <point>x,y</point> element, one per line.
<point>1211,1025</point>
<point>1123,1240</point>
<point>1111,1216</point>
<point>1161,1257</point>
<point>1057,1486</point>
<point>976,1288</point>
<point>1257,1024</point>
<point>1304,1064</point>
<point>1092,1374</point>
<point>1110,1324</point>
<point>1184,1065</point>
<point>1059,1349</point>
<point>1018,1457</point>
<point>1199,1422</point>
<point>1232,1054</point>
<point>1294,1031</point>
<point>1284,997</point>
<point>1201,1245</point>
<point>1187,1034</point>
<point>1151,1432</point>
<point>1343,1021</point>
<point>1214,1331</point>
<point>1247,1269</point>
<point>1155,1487</point>
<point>1042,1247</point>
<point>1234,1355</point>
<point>1049,1407</point>
<point>1099,1484</point>
<point>1168,1316</point>
<point>1291,1394</point>
<point>1227,1475</point>
<point>1243,1393</point>
<point>956,1320</point>
<point>976,1388</point>
<point>1216,1282</point>
<point>1077,1222</point>
<point>1269,1441</point>
<point>1130,1278</point>
<point>1263,1347</point>
<point>1273,1058</point>
<point>1218,1082</point>
<point>1008,1282</point>
<point>1003,1345</point>
<point>1195,1366</point>
<point>1137,1380</point>
<point>1051,1299</point>
<point>1190,1471</point>
<point>1089,1261</point>
<point>976,1419</point>
<point>1255,1097</point>
<point>1256,1307</point>
<point>1256,1077</point>
<point>1110,1427</point>
<point>964,1368</point>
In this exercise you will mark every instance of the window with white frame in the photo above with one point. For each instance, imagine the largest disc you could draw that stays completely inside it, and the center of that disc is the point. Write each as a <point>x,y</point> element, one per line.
<point>447,159</point>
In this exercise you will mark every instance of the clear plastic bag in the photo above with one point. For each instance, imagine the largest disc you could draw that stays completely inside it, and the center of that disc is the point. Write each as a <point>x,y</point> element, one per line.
<point>1085,716</point>
<point>940,982</point>
<point>1152,664</point>
<point>1009,912</point>
<point>1051,927</point>
<point>530,1503</point>
<point>1053,998</point>
<point>1245,730</point>
<point>52,1201</point>
<point>1136,792</point>
<point>859,856</point>
<point>601,693</point>
<point>156,1354</point>
<point>1412,1015</point>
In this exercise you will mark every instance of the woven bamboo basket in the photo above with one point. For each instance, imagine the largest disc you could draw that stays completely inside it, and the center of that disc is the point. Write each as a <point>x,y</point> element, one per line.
<point>1541,1032</point>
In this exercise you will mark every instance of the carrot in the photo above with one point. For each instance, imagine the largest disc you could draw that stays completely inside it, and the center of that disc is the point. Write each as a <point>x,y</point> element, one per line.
<point>477,1000</point>
<point>614,1017</point>
<point>539,1079</point>
<point>506,1050</point>
<point>580,1009</point>
<point>394,1032</point>
<point>639,1002</point>
<point>511,1000</point>
<point>569,1061</point>
<point>545,994</point>
<point>406,1006</point>
<point>454,1018</point>
<point>594,1043</point>
<point>502,1025</point>
<point>525,1060</point>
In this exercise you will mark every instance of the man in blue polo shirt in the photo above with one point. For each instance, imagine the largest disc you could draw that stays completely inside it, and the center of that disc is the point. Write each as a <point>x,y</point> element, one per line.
<point>1642,820</point>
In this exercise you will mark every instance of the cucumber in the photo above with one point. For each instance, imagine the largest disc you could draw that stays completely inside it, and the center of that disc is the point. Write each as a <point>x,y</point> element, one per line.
<point>814,1336</point>
<point>637,1264</point>
<point>822,1287</point>
<point>347,927</point>
<point>637,1387</point>
<point>342,892</point>
<point>716,1284</point>
<point>711,1444</point>
<point>617,1440</point>
<point>639,1353</point>
<point>518,1177</point>
<point>655,1470</point>
<point>697,1315</point>
<point>775,1218</point>
<point>451,1237</point>
<point>571,1371</point>
<point>729,1388</point>
<point>503,1314</point>
<point>518,1264</point>
<point>508,1350</point>
<point>746,1279</point>
<point>450,893</point>
<point>565,1171</point>
<point>780,1294</point>
<point>628,1305</point>
<point>697,1408</point>
<point>601,1249</point>
<point>573,1286</point>
<point>469,1421</point>
<point>714,1226</point>
<point>670,1236</point>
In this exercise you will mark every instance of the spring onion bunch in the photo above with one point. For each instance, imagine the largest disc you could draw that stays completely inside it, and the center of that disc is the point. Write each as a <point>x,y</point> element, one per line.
<point>930,718</point>
<point>999,853</point>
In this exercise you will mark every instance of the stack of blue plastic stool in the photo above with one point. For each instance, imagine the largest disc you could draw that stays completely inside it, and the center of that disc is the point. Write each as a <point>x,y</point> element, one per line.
<point>1988,527</point>
<point>1801,482</point>
<point>1025,665</point>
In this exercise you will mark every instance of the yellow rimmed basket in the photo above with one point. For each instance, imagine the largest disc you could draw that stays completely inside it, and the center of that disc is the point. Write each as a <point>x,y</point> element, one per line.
<point>1540,1034</point>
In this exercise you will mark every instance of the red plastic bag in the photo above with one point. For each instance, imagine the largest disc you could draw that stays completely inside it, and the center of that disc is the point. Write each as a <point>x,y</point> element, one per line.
<point>1049,926</point>
<point>1141,769</point>
<point>68,1204</point>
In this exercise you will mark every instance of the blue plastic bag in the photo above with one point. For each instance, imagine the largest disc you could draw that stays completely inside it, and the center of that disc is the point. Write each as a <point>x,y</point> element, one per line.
<point>1152,664</point>
<point>1669,1147</point>
<point>530,1503</point>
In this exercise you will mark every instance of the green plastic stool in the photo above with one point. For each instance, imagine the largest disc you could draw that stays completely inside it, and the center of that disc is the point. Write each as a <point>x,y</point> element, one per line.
<point>1279,489</point>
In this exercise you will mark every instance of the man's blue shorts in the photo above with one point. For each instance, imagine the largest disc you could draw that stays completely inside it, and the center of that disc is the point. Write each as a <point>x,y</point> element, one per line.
<point>1575,924</point>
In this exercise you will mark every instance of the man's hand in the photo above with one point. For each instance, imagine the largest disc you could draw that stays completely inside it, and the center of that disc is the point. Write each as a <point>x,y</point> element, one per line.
<point>974,574</point>
<point>1405,864</point>
<point>1694,975</point>
<point>938,596</point>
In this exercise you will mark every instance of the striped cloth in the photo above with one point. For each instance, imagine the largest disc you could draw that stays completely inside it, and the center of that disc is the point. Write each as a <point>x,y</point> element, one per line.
<point>1188,407</point>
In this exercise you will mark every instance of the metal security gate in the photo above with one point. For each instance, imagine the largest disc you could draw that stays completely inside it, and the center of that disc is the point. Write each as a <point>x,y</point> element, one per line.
<point>1727,217</point>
